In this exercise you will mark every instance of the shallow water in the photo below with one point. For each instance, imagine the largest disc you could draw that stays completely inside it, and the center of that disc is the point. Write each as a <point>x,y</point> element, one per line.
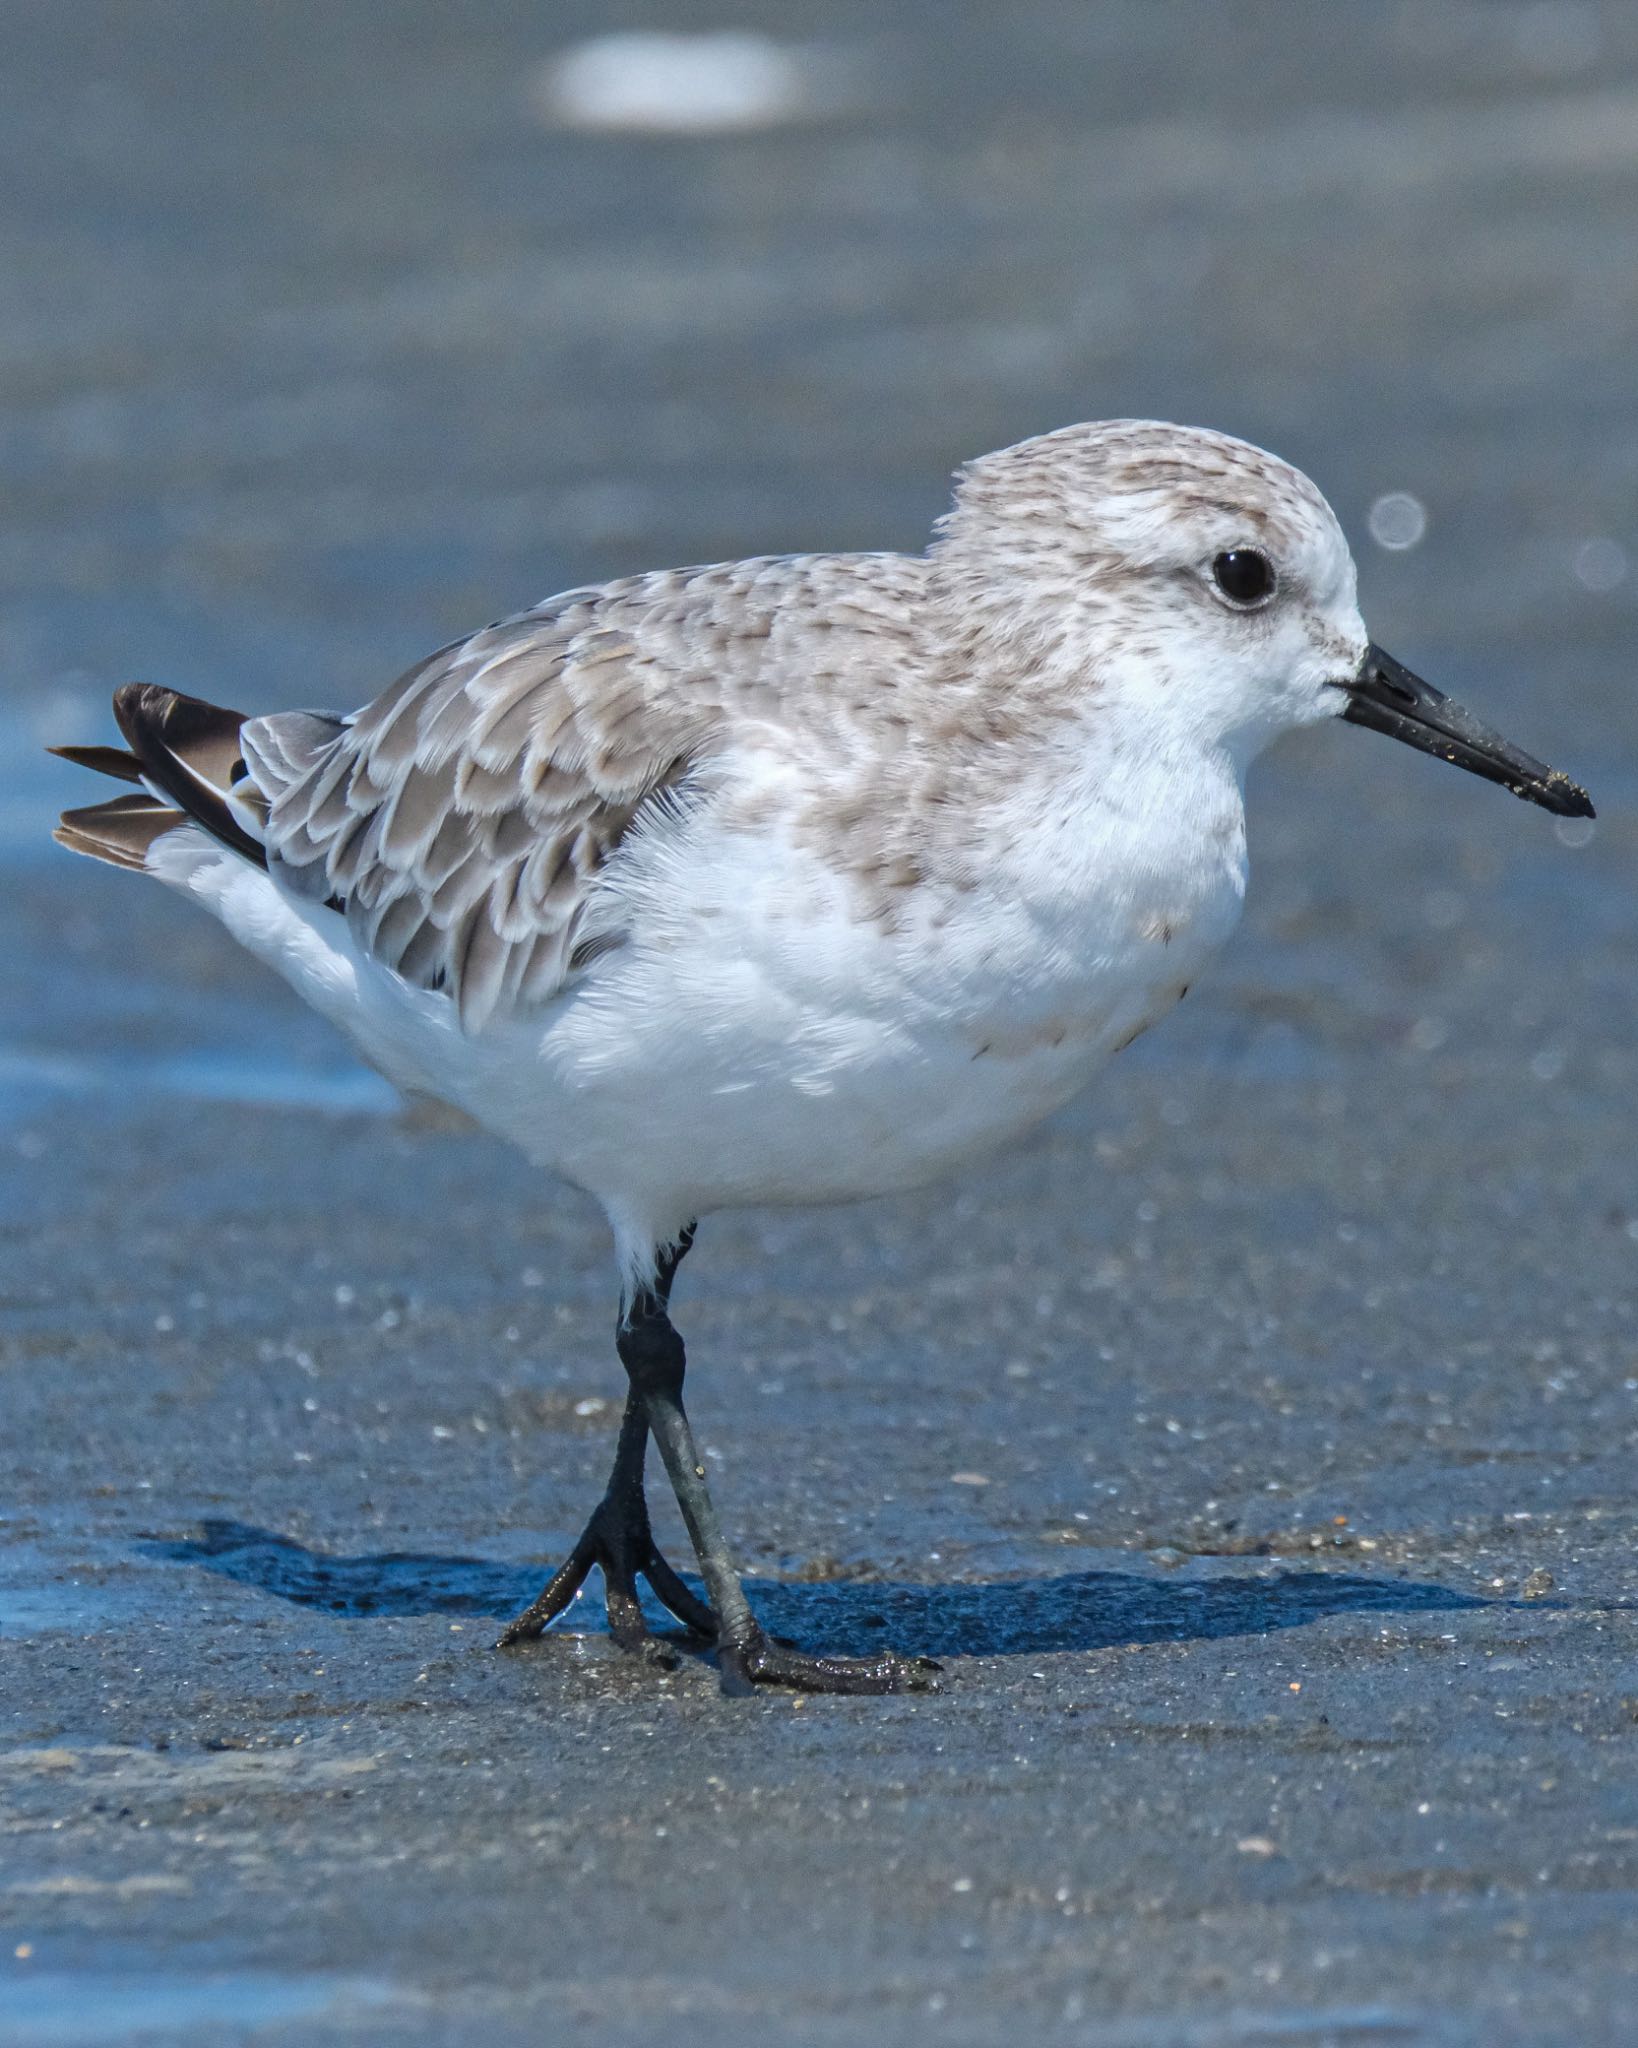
<point>30,1079</point>
<point>85,2008</point>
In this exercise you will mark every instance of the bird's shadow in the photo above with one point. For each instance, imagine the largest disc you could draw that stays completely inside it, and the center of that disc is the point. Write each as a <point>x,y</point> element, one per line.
<point>1068,1611</point>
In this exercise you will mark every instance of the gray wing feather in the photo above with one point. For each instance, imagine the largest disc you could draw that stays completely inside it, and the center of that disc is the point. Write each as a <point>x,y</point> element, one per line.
<point>461,820</point>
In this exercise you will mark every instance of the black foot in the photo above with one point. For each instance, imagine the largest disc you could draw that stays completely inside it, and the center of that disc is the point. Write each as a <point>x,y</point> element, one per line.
<point>760,1660</point>
<point>620,1543</point>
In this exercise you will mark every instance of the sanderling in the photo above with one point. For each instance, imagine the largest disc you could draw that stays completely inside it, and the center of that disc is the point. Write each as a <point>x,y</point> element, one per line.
<point>794,879</point>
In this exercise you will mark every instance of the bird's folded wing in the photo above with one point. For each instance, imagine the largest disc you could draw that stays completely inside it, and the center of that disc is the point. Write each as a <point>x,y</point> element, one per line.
<point>460,820</point>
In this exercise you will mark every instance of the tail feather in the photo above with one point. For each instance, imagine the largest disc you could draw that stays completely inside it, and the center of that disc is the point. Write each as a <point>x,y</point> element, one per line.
<point>119,831</point>
<point>184,751</point>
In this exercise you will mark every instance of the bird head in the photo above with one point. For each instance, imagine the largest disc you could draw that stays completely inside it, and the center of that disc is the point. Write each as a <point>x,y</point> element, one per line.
<point>1196,592</point>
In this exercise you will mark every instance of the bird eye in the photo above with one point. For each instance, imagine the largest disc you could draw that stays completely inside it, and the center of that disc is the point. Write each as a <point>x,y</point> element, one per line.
<point>1244,576</point>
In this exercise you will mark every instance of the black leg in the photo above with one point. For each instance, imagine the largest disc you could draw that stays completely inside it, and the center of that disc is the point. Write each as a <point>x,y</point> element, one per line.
<point>653,1356</point>
<point>619,1541</point>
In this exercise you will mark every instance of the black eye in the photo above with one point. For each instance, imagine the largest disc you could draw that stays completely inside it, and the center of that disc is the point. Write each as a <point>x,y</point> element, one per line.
<point>1244,576</point>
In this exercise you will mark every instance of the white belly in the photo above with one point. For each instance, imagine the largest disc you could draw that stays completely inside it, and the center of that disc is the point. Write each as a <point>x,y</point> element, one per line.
<point>799,1054</point>
<point>756,1040</point>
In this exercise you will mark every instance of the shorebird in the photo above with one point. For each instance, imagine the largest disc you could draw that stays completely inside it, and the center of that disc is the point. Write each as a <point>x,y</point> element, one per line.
<point>796,879</point>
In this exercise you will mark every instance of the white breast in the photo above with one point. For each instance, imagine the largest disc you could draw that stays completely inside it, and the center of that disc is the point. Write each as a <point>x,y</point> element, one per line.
<point>771,1044</point>
<point>758,1040</point>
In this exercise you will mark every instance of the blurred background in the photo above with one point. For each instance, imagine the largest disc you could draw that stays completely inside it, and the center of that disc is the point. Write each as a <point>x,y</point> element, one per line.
<point>330,331</point>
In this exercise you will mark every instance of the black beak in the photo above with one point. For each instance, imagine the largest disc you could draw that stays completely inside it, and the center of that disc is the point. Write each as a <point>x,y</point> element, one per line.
<point>1388,698</point>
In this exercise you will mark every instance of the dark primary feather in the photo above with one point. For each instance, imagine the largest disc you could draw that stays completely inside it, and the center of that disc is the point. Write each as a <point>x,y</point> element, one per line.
<point>190,750</point>
<point>119,831</point>
<point>114,761</point>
